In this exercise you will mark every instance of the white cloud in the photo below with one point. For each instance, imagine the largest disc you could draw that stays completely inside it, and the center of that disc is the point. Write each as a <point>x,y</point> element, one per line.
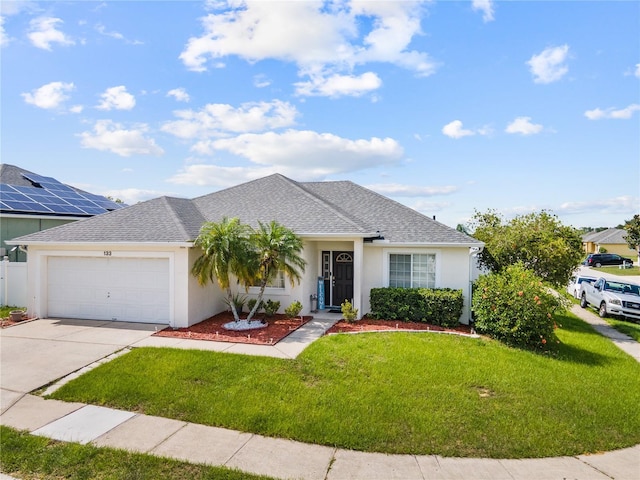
<point>400,190</point>
<point>216,119</point>
<point>637,71</point>
<point>180,94</point>
<point>49,96</point>
<point>454,130</point>
<point>102,30</point>
<point>486,7</point>
<point>76,109</point>
<point>610,113</point>
<point>131,196</point>
<point>256,30</point>
<point>549,65</point>
<point>43,32</point>
<point>625,203</point>
<point>427,208</point>
<point>203,175</point>
<point>113,137</point>
<point>4,38</point>
<point>261,81</point>
<point>523,126</point>
<point>339,85</point>
<point>118,98</point>
<point>310,153</point>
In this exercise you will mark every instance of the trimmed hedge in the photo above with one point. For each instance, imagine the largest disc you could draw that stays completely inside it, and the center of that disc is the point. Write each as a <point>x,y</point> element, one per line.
<point>437,306</point>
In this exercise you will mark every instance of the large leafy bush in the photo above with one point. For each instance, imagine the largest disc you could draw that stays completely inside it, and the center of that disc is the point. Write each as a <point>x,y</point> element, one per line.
<point>515,307</point>
<point>442,306</point>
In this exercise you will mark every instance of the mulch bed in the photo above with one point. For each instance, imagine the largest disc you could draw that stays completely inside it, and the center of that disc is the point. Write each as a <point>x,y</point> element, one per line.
<point>371,325</point>
<point>278,327</point>
<point>7,322</point>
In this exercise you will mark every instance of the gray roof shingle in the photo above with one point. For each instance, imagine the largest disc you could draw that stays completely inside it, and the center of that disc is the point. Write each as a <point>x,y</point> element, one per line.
<point>609,236</point>
<point>308,208</point>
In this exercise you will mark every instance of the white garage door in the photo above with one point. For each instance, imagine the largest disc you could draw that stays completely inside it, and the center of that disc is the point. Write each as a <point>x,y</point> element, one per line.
<point>125,289</point>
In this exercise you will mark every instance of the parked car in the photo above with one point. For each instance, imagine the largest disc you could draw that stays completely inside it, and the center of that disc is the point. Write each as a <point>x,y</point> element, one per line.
<point>600,259</point>
<point>575,284</point>
<point>612,297</point>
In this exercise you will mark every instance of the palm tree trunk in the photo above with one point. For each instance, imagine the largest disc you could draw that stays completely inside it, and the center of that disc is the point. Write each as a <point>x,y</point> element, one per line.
<point>236,317</point>
<point>263,285</point>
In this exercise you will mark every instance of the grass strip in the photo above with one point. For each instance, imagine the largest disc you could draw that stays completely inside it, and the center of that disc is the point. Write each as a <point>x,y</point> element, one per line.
<point>625,326</point>
<point>394,393</point>
<point>31,457</point>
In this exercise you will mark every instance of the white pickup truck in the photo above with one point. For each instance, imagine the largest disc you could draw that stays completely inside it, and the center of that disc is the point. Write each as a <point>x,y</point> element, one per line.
<point>612,297</point>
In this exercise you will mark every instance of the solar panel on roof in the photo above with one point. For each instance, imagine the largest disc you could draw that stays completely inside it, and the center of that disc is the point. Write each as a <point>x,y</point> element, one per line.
<point>52,197</point>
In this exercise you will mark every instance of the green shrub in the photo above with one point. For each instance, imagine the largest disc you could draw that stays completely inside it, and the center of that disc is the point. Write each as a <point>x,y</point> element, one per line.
<point>252,303</point>
<point>238,301</point>
<point>514,306</point>
<point>293,310</point>
<point>271,307</point>
<point>349,313</point>
<point>437,306</point>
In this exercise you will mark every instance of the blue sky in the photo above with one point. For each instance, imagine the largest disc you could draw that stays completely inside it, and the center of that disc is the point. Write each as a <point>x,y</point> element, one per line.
<point>446,106</point>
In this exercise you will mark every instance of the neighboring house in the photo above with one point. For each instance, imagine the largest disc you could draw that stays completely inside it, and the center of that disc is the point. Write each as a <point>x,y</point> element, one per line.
<point>134,264</point>
<point>611,240</point>
<point>31,203</point>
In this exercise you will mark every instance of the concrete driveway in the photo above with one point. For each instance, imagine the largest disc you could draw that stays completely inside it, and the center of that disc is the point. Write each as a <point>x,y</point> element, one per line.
<point>36,353</point>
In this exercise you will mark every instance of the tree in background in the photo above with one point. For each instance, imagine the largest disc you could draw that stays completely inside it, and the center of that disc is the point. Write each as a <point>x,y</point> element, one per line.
<point>538,241</point>
<point>633,234</point>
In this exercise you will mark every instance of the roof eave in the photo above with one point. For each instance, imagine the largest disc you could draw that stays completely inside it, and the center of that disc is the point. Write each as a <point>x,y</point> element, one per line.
<point>428,244</point>
<point>99,244</point>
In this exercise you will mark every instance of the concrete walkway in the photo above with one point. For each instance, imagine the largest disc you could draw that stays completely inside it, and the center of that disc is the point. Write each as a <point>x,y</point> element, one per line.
<point>279,458</point>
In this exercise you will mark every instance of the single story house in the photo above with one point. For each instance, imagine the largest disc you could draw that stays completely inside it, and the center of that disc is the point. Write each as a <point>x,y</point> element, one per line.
<point>134,264</point>
<point>30,203</point>
<point>611,240</point>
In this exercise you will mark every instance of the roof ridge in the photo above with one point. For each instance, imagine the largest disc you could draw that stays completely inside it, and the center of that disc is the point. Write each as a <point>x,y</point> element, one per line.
<point>335,208</point>
<point>176,218</point>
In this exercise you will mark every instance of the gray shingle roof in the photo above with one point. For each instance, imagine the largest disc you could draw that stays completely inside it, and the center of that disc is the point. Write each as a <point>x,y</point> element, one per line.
<point>609,236</point>
<point>311,208</point>
<point>160,220</point>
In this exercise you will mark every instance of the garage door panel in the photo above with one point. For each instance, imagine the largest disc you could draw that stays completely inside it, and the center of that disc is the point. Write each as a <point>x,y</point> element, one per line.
<point>127,289</point>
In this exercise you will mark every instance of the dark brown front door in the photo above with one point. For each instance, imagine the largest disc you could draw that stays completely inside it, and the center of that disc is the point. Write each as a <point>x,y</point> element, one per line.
<point>342,277</point>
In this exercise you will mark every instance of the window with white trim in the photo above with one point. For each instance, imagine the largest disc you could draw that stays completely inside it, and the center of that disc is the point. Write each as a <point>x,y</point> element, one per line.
<point>412,270</point>
<point>277,282</point>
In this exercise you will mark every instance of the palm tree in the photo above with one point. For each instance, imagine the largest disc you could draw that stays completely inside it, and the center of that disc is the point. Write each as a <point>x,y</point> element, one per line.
<point>226,250</point>
<point>278,250</point>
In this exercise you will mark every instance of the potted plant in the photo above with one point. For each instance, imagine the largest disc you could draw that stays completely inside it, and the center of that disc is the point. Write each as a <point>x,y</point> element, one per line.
<point>16,315</point>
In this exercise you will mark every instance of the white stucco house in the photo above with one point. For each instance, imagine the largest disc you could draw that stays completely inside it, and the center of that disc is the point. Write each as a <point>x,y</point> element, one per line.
<point>134,264</point>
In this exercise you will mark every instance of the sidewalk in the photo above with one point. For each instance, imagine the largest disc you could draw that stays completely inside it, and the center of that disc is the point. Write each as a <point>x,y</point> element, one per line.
<point>280,458</point>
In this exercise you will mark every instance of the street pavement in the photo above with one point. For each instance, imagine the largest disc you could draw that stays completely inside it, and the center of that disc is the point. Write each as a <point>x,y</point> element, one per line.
<point>48,352</point>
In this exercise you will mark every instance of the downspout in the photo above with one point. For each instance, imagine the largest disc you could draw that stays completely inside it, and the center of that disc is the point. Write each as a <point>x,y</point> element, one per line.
<point>473,253</point>
<point>5,263</point>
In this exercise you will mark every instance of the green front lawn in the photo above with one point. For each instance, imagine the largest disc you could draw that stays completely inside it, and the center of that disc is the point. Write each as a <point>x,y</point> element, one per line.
<point>394,392</point>
<point>29,457</point>
<point>623,272</point>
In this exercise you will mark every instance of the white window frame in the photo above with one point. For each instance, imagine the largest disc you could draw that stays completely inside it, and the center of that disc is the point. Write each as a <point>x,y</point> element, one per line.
<point>255,289</point>
<point>410,251</point>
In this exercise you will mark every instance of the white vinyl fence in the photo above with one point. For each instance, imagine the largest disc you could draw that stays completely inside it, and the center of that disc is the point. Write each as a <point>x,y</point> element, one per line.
<point>13,283</point>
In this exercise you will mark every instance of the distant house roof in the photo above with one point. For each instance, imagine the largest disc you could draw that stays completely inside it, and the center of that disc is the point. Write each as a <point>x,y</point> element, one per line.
<point>27,193</point>
<point>608,236</point>
<point>309,208</point>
